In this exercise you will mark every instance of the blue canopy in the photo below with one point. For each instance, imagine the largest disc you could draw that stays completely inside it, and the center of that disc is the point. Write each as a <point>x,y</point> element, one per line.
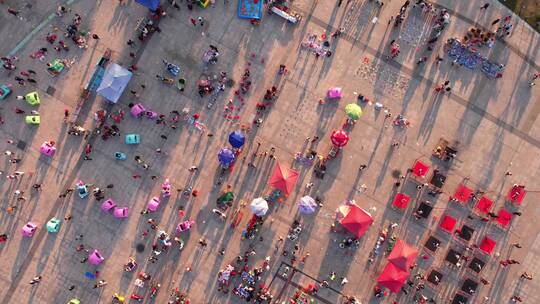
<point>237,139</point>
<point>151,4</point>
<point>114,82</point>
<point>226,156</point>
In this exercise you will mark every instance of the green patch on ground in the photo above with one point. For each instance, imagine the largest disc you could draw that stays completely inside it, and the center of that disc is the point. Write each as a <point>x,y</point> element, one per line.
<point>528,10</point>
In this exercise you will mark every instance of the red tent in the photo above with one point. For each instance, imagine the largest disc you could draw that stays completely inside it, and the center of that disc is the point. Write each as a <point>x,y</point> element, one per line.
<point>283,179</point>
<point>392,277</point>
<point>448,223</point>
<point>420,169</point>
<point>357,221</point>
<point>504,218</point>
<point>339,138</point>
<point>487,245</point>
<point>401,201</point>
<point>484,205</point>
<point>403,255</point>
<point>462,194</point>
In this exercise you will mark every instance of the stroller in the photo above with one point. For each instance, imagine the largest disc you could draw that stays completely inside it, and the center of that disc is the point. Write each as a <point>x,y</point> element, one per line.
<point>173,69</point>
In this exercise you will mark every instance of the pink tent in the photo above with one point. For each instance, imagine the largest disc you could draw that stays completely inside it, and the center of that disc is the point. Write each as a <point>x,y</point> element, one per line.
<point>357,221</point>
<point>403,255</point>
<point>393,277</point>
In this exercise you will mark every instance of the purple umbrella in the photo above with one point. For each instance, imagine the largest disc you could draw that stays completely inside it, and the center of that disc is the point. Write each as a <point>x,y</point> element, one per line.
<point>226,156</point>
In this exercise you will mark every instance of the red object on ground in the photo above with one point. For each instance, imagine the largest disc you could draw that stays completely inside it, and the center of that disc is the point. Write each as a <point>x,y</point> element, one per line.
<point>420,169</point>
<point>448,223</point>
<point>516,194</point>
<point>403,255</point>
<point>283,179</point>
<point>504,218</point>
<point>401,201</point>
<point>339,138</point>
<point>357,221</point>
<point>462,194</point>
<point>392,277</point>
<point>487,245</point>
<point>484,205</point>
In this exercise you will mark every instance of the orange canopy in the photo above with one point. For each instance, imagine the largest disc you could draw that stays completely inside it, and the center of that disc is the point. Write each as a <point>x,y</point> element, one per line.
<point>283,179</point>
<point>403,255</point>
<point>357,221</point>
<point>392,277</point>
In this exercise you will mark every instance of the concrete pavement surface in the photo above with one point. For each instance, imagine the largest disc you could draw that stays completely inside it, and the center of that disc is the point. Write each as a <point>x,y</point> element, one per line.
<point>492,123</point>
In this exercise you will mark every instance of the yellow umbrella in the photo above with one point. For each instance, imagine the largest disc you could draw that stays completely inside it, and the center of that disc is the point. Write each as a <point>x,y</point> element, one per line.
<point>353,110</point>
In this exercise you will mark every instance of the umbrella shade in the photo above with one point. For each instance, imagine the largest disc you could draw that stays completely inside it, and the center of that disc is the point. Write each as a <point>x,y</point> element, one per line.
<point>357,221</point>
<point>259,206</point>
<point>226,156</point>
<point>307,205</point>
<point>339,138</point>
<point>393,277</point>
<point>353,110</point>
<point>226,197</point>
<point>403,255</point>
<point>283,179</point>
<point>237,139</point>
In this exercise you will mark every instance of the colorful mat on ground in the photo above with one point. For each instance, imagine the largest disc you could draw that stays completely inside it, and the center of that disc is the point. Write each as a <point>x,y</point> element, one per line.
<point>250,9</point>
<point>471,59</point>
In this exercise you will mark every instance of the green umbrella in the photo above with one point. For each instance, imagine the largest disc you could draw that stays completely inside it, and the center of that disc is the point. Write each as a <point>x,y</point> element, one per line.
<point>226,197</point>
<point>353,111</point>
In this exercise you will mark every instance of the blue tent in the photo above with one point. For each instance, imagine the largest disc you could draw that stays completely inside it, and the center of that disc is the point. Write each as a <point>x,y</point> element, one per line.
<point>237,139</point>
<point>114,82</point>
<point>151,4</point>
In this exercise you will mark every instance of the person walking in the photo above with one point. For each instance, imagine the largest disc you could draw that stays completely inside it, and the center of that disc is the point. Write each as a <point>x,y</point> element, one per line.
<point>485,6</point>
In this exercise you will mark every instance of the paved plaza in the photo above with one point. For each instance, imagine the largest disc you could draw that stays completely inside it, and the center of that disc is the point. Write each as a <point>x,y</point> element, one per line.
<point>491,122</point>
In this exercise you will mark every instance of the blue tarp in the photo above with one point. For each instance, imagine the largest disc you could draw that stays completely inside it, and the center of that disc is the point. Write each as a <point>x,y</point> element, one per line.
<point>114,82</point>
<point>151,4</point>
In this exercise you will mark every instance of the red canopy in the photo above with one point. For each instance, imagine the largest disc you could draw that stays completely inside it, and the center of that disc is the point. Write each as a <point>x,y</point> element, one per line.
<point>403,255</point>
<point>283,179</point>
<point>484,205</point>
<point>357,221</point>
<point>339,138</point>
<point>504,218</point>
<point>487,245</point>
<point>401,201</point>
<point>448,223</point>
<point>463,193</point>
<point>392,277</point>
<point>420,169</point>
<point>516,194</point>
